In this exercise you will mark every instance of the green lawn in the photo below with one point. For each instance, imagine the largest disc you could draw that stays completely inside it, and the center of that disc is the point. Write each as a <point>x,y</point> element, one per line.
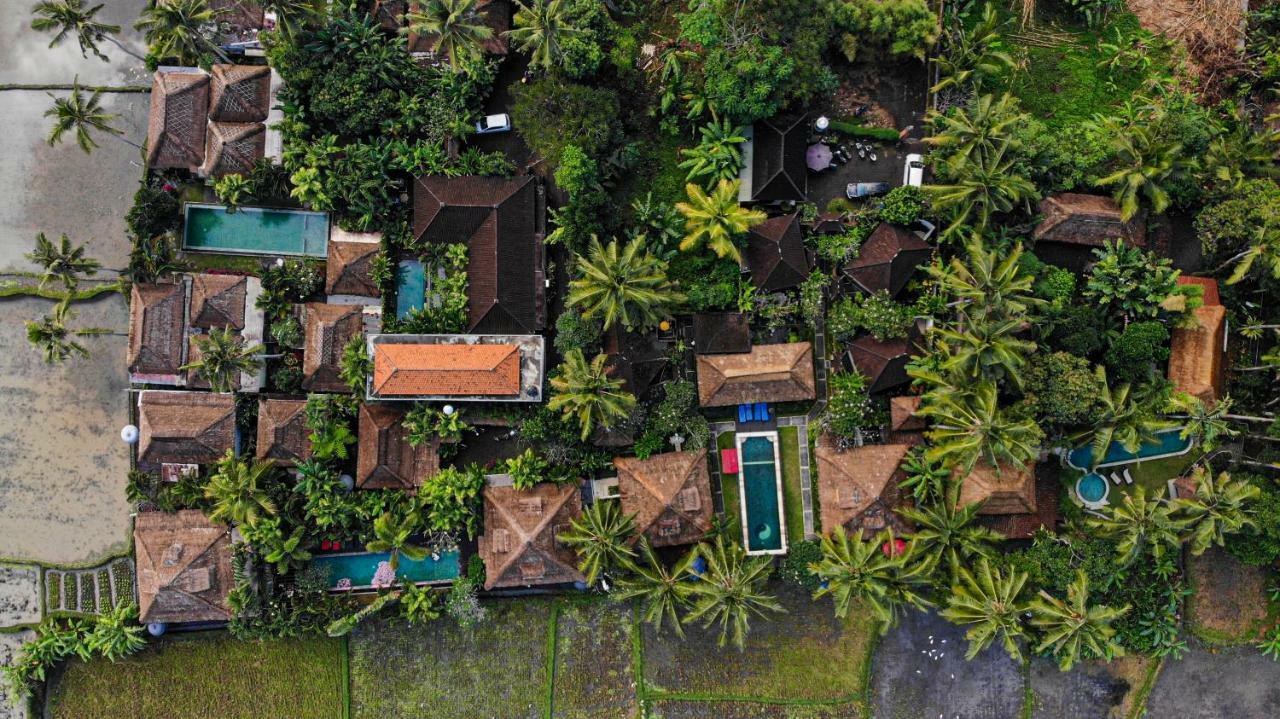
<point>204,676</point>
<point>729,485</point>
<point>792,500</point>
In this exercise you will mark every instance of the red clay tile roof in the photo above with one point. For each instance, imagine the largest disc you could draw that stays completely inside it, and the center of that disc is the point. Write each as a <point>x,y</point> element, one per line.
<point>240,93</point>
<point>1196,355</point>
<point>1210,285</point>
<point>670,494</point>
<point>185,427</point>
<point>419,370</point>
<point>1011,490</point>
<point>183,567</point>
<point>177,119</point>
<point>768,373</point>
<point>495,14</point>
<point>887,259</point>
<point>1088,220</point>
<point>347,269</point>
<point>328,330</point>
<point>519,545</point>
<point>858,487</point>
<point>217,301</point>
<point>282,431</point>
<point>778,171</point>
<point>497,218</point>
<point>385,458</point>
<point>776,254</point>
<point>233,148</point>
<point>156,329</point>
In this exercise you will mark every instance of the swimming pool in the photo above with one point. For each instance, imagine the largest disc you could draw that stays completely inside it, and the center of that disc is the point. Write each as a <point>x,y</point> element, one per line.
<point>411,287</point>
<point>359,567</point>
<point>1168,444</point>
<point>1092,490</point>
<point>764,528</point>
<point>255,231</point>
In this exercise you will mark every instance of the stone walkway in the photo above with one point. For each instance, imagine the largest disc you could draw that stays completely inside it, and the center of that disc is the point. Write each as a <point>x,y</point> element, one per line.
<point>801,423</point>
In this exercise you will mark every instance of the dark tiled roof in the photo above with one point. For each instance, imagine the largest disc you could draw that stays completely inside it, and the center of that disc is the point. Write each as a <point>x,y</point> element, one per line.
<point>768,373</point>
<point>386,459</point>
<point>778,171</point>
<point>497,218</point>
<point>156,329</point>
<point>495,14</point>
<point>519,544</point>
<point>1009,490</point>
<point>1088,220</point>
<point>902,414</point>
<point>240,93</point>
<point>887,259</point>
<point>670,494</point>
<point>176,123</point>
<point>282,431</point>
<point>233,148</point>
<point>183,567</point>
<point>185,427</point>
<point>347,270</point>
<point>328,330</point>
<point>721,333</point>
<point>776,254</point>
<point>884,363</point>
<point>1024,525</point>
<point>217,301</point>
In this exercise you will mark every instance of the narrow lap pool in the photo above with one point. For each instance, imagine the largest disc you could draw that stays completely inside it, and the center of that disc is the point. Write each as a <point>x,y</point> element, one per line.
<point>255,231</point>
<point>760,487</point>
<point>359,567</point>
<point>411,287</point>
<point>1168,443</point>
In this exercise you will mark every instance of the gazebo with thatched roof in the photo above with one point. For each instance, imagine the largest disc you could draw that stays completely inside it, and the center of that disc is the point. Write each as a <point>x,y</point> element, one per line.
<point>670,495</point>
<point>519,545</point>
<point>858,487</point>
<point>183,567</point>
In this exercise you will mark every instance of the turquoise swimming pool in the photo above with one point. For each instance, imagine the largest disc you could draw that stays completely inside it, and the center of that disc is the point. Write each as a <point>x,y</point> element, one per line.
<point>1092,488</point>
<point>1168,443</point>
<point>411,287</point>
<point>761,491</point>
<point>255,231</point>
<point>359,567</point>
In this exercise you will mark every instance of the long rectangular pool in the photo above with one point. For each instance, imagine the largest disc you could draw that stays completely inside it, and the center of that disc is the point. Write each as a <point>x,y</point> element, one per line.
<point>360,567</point>
<point>255,231</point>
<point>1168,443</point>
<point>764,529</point>
<point>411,287</point>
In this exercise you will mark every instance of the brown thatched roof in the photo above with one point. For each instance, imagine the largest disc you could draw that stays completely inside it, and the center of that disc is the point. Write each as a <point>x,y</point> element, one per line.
<point>195,380</point>
<point>217,301</point>
<point>176,123</point>
<point>497,218</point>
<point>776,254</point>
<point>1011,490</point>
<point>347,270</point>
<point>1089,220</point>
<point>670,494</point>
<point>887,259</point>
<point>902,414</point>
<point>282,431</point>
<point>183,567</point>
<point>494,14</point>
<point>768,373</point>
<point>185,427</point>
<point>233,148</point>
<point>884,362</point>
<point>1024,525</point>
<point>386,459</point>
<point>1196,354</point>
<point>156,329</point>
<point>778,170</point>
<point>858,487</point>
<point>519,545</point>
<point>721,333</point>
<point>240,93</point>
<point>328,329</point>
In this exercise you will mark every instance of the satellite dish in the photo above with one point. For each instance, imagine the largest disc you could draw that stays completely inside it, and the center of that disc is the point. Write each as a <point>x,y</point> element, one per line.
<point>129,434</point>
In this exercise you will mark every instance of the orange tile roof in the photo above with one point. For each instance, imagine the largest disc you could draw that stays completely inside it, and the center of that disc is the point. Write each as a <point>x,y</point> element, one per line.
<point>413,370</point>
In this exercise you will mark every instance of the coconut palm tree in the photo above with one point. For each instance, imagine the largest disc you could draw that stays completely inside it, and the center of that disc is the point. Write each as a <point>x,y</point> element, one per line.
<point>116,632</point>
<point>886,583</point>
<point>393,534</point>
<point>662,591</point>
<point>989,285</point>
<point>989,600</point>
<point>1142,525</point>
<point>968,426</point>
<point>981,187</point>
<point>62,262</point>
<point>237,492</point>
<point>630,285</point>
<point>974,54</point>
<point>77,113</point>
<point>731,591</point>
<point>716,219</point>
<point>987,350</point>
<point>1263,250</point>
<point>68,18</point>
<point>600,537</point>
<point>945,533</point>
<point>1072,630</point>
<point>55,340</point>
<point>1120,418</point>
<point>540,30</point>
<point>174,29</point>
<point>291,15</point>
<point>223,357</point>
<point>457,23</point>
<point>1203,424</point>
<point>589,393</point>
<point>1145,164</point>
<point>718,156</point>
<point>1219,507</point>
<point>976,130</point>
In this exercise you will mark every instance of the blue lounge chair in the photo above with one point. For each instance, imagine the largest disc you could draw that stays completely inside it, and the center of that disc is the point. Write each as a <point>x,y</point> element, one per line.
<point>762,412</point>
<point>744,413</point>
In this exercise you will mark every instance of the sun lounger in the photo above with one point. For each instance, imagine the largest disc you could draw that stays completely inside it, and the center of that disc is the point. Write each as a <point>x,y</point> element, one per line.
<point>744,413</point>
<point>1128,478</point>
<point>1116,479</point>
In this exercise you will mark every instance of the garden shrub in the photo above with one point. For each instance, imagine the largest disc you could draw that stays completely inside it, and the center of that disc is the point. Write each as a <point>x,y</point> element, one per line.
<point>876,314</point>
<point>1259,545</point>
<point>1140,346</point>
<point>677,413</point>
<point>583,52</point>
<point>154,212</point>
<point>884,134</point>
<point>795,567</point>
<point>575,331</point>
<point>552,112</point>
<point>1060,389</point>
<point>452,497</point>
<point>901,27</point>
<point>903,205</point>
<point>849,408</point>
<point>1077,329</point>
<point>1228,225</point>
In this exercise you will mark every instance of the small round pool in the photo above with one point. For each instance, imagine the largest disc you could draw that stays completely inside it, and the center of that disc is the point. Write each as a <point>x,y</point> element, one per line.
<point>1092,489</point>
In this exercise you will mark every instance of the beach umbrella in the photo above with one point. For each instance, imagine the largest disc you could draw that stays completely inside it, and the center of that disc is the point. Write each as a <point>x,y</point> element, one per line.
<point>818,157</point>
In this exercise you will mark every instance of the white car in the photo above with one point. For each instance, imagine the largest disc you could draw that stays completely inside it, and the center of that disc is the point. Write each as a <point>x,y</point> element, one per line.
<point>497,123</point>
<point>913,173</point>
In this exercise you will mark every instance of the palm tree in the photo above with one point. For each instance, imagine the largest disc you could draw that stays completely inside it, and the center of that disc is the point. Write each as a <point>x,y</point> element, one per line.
<point>1203,424</point>
<point>1142,524</point>
<point>51,336</point>
<point>587,391</point>
<point>1073,630</point>
<point>291,14</point>
<point>62,262</point>
<point>286,552</point>
<point>968,426</point>
<point>236,491</point>
<point>80,114</point>
<point>394,534</point>
<point>1219,507</point>
<point>173,29</point>
<point>987,351</point>
<point>989,285</point>
<point>457,23</point>
<point>974,54</point>
<point>630,286</point>
<point>716,219</point>
<point>976,130</point>
<point>1145,163</point>
<point>945,533</point>
<point>731,591</point>
<point>718,156</point>
<point>988,599</point>
<point>1120,418</point>
<point>223,357</point>
<point>852,569</point>
<point>66,18</point>
<point>600,537</point>
<point>982,187</point>
<point>116,633</point>
<point>540,30</point>
<point>1263,249</point>
<point>663,592</point>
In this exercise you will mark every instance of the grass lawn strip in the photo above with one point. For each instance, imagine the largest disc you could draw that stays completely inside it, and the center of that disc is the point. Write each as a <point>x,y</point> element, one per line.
<point>594,674</point>
<point>498,669</point>
<point>792,492</point>
<point>684,709</point>
<point>198,675</point>
<point>729,486</point>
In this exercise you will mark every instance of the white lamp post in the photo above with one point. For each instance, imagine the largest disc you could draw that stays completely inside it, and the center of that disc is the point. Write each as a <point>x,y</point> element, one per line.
<point>129,434</point>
